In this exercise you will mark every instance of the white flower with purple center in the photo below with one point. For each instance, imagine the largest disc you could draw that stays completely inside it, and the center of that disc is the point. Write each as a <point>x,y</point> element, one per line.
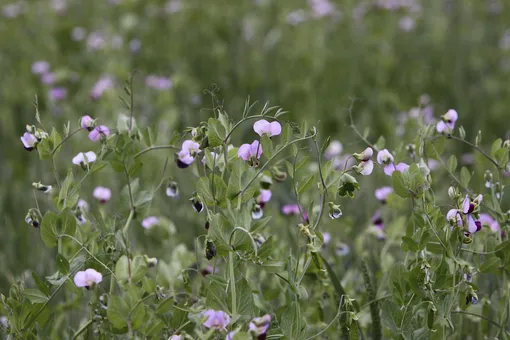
<point>364,168</point>
<point>259,326</point>
<point>382,193</point>
<point>384,157</point>
<point>40,67</point>
<point>150,222</point>
<point>102,194</point>
<point>189,151</point>
<point>87,278</point>
<point>216,319</point>
<point>447,122</point>
<point>250,152</point>
<point>263,127</point>
<point>98,132</point>
<point>83,159</point>
<point>29,141</point>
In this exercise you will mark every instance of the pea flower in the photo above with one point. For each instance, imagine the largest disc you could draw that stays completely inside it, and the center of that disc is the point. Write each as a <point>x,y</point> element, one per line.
<point>189,151</point>
<point>342,249</point>
<point>447,122</point>
<point>216,319</point>
<point>87,278</point>
<point>382,193</point>
<point>98,132</point>
<point>40,67</point>
<point>86,122</point>
<point>29,141</point>
<point>400,167</point>
<point>333,150</point>
<point>263,127</point>
<point>364,168</point>
<point>102,194</point>
<point>264,197</point>
<point>348,185</point>
<point>150,222</point>
<point>257,212</point>
<point>249,152</point>
<point>486,219</point>
<point>384,157</point>
<point>101,86</point>
<point>175,337</point>
<point>454,217</point>
<point>48,78</point>
<point>327,238</point>
<point>334,211</point>
<point>83,159</point>
<point>365,155</point>
<point>57,93</point>
<point>196,203</point>
<point>172,189</point>
<point>468,208</point>
<point>290,209</point>
<point>259,326</point>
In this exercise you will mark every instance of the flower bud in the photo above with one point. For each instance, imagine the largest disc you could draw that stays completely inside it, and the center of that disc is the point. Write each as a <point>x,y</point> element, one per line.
<point>411,149</point>
<point>266,181</point>
<point>453,193</point>
<point>462,132</point>
<point>33,218</point>
<point>348,185</point>
<point>256,212</point>
<point>334,211</point>
<point>506,144</point>
<point>196,203</point>
<point>151,261</point>
<point>498,190</point>
<point>478,139</point>
<point>488,179</point>
<point>210,250</point>
<point>172,189</point>
<point>41,187</point>
<point>278,175</point>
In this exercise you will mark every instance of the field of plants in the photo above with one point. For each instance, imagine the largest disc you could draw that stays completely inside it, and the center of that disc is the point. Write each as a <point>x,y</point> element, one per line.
<point>255,169</point>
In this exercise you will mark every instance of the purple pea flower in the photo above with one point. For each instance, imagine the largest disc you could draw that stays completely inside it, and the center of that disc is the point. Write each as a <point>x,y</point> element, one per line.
<point>57,93</point>
<point>48,78</point>
<point>86,122</point>
<point>101,86</point>
<point>400,167</point>
<point>188,152</point>
<point>447,122</point>
<point>487,220</point>
<point>102,194</point>
<point>249,152</point>
<point>98,132</point>
<point>290,209</point>
<point>158,83</point>
<point>468,208</point>
<point>29,141</point>
<point>150,222</point>
<point>40,67</point>
<point>216,319</point>
<point>87,278</point>
<point>259,326</point>
<point>382,193</point>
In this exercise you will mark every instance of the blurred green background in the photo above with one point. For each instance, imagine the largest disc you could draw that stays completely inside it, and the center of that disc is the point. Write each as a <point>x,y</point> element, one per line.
<point>309,57</point>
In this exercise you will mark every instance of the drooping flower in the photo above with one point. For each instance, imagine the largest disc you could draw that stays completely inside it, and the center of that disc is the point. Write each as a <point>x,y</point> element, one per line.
<point>98,132</point>
<point>342,249</point>
<point>196,203</point>
<point>172,189</point>
<point>101,86</point>
<point>29,141</point>
<point>102,194</point>
<point>365,155</point>
<point>150,222</point>
<point>87,278</point>
<point>86,122</point>
<point>447,122</point>
<point>327,238</point>
<point>333,150</point>
<point>40,67</point>
<point>382,193</point>
<point>83,159</point>
<point>259,326</point>
<point>257,212</point>
<point>334,211</point>
<point>189,151</point>
<point>264,196</point>
<point>384,157</point>
<point>364,168</point>
<point>250,152</point>
<point>263,127</point>
<point>216,319</point>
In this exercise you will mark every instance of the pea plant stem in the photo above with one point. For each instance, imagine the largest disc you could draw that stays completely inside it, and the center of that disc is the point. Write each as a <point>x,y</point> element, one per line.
<point>232,282</point>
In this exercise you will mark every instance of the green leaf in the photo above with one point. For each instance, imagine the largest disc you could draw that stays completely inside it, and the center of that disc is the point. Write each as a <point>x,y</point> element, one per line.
<point>291,322</point>
<point>138,268</point>
<point>46,146</point>
<point>122,269</point>
<point>287,133</point>
<point>452,163</point>
<point>397,181</point>
<point>465,177</point>
<point>491,265</point>
<point>204,190</point>
<point>267,146</point>
<point>495,147</point>
<point>435,147</point>
<point>502,157</point>
<point>216,297</point>
<point>118,311</point>
<point>216,132</point>
<point>35,295</point>
<point>398,279</point>
<point>408,244</point>
<point>43,287</point>
<point>234,181</point>
<point>62,265</point>
<point>69,192</point>
<point>381,142</point>
<point>244,298</point>
<point>306,183</point>
<point>48,232</point>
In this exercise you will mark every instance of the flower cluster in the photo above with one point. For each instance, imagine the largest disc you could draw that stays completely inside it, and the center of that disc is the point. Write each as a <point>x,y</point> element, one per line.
<point>385,158</point>
<point>467,215</point>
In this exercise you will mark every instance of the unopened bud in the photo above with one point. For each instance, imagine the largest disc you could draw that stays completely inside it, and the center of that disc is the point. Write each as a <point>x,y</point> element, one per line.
<point>172,189</point>
<point>506,144</point>
<point>478,139</point>
<point>278,175</point>
<point>365,155</point>
<point>488,179</point>
<point>41,187</point>
<point>453,193</point>
<point>266,181</point>
<point>210,250</point>
<point>151,261</point>
<point>411,149</point>
<point>197,205</point>
<point>334,211</point>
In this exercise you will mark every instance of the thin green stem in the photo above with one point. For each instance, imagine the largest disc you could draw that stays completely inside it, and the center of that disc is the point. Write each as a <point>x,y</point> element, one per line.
<point>126,226</point>
<point>232,282</point>
<point>479,150</point>
<point>82,329</point>
<point>65,139</point>
<point>88,252</point>
<point>482,317</point>
<point>242,121</point>
<point>253,243</point>
<point>155,147</point>
<point>129,186</point>
<point>338,313</point>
